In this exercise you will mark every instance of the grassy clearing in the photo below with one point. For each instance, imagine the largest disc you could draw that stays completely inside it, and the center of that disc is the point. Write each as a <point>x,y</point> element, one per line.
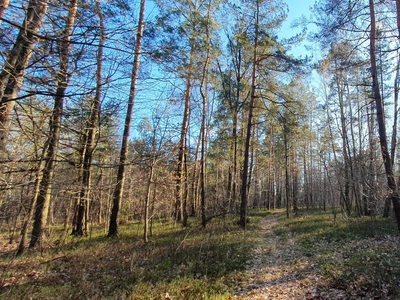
<point>190,263</point>
<point>359,256</point>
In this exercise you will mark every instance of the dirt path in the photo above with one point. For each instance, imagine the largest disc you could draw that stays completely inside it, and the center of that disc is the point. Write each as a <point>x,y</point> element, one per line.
<point>278,271</point>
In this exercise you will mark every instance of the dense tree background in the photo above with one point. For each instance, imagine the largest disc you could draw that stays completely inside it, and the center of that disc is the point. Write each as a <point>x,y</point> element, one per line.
<point>227,115</point>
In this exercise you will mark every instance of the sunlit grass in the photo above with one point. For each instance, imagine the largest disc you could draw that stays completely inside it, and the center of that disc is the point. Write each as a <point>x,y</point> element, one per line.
<point>186,263</point>
<point>358,255</point>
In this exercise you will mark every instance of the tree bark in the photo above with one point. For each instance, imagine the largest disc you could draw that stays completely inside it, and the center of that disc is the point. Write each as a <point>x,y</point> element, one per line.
<point>381,118</point>
<point>180,201</point>
<point>243,202</point>
<point>204,125</point>
<point>24,232</point>
<point>81,222</point>
<point>14,67</point>
<point>345,140</point>
<point>395,112</point>
<point>295,187</point>
<point>271,179</point>
<point>398,17</point>
<point>181,213</point>
<point>43,197</point>
<point>3,8</point>
<point>195,181</point>
<point>287,184</point>
<point>147,201</point>
<point>118,192</point>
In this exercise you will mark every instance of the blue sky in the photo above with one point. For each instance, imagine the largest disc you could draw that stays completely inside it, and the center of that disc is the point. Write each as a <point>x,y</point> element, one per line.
<point>297,9</point>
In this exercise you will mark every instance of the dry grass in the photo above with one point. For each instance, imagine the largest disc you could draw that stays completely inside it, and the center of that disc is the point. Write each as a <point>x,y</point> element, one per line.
<point>311,254</point>
<point>190,263</point>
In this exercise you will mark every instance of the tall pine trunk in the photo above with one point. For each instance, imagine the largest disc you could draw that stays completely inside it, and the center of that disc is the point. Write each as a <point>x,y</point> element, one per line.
<point>243,202</point>
<point>203,93</point>
<point>3,8</point>
<point>181,213</point>
<point>43,197</point>
<point>381,118</point>
<point>119,189</point>
<point>17,60</point>
<point>80,226</point>
<point>181,176</point>
<point>345,140</point>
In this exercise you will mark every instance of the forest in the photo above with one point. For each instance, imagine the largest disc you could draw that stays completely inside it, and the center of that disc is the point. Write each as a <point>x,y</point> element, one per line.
<point>186,129</point>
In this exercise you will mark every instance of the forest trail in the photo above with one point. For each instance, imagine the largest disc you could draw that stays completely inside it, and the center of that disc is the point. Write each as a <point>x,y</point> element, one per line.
<point>277,270</point>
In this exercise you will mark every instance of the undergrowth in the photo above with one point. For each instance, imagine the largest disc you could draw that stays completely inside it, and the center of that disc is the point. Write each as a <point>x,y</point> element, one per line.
<point>360,256</point>
<point>184,263</point>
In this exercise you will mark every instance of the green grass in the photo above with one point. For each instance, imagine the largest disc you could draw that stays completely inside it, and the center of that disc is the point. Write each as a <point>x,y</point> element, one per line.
<point>186,263</point>
<point>360,256</point>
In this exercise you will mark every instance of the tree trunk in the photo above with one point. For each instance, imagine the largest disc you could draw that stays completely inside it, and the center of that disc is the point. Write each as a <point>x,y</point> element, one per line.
<point>147,202</point>
<point>345,140</point>
<point>305,175</point>
<point>287,184</point>
<point>381,118</point>
<point>194,186</point>
<point>203,154</point>
<point>243,202</point>
<point>257,185</point>
<point>395,112</point>
<point>295,182</point>
<point>204,126</point>
<point>232,175</point>
<point>180,206</point>
<point>31,209</point>
<point>81,222</point>
<point>13,71</point>
<point>181,213</point>
<point>3,7</point>
<point>386,208</point>
<point>332,144</point>
<point>43,197</point>
<point>398,17</point>
<point>270,192</point>
<point>118,192</point>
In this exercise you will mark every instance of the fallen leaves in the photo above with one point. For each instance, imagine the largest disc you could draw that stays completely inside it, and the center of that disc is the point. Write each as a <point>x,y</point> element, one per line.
<point>285,264</point>
<point>321,268</point>
<point>277,272</point>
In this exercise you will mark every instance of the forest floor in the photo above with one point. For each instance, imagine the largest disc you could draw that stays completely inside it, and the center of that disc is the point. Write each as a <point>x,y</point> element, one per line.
<point>313,255</point>
<point>304,259</point>
<point>274,273</point>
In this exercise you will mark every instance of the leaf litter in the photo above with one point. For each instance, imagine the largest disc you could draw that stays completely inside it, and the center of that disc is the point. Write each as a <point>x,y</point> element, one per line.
<point>282,268</point>
<point>284,265</point>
